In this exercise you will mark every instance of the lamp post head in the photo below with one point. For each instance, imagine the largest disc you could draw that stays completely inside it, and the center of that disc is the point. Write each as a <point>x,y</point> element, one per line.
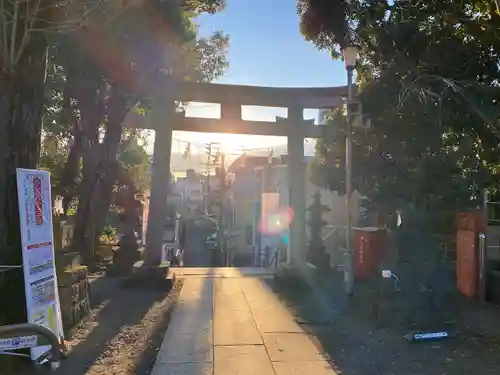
<point>350,54</point>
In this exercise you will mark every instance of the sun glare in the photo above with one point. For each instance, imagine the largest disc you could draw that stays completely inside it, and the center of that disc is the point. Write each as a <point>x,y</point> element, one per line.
<point>231,144</point>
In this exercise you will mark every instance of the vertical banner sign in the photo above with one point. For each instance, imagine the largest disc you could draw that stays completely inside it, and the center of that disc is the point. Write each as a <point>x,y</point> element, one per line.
<point>40,280</point>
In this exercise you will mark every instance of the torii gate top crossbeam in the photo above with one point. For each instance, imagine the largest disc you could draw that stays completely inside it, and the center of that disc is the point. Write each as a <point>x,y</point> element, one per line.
<point>232,97</point>
<point>303,97</point>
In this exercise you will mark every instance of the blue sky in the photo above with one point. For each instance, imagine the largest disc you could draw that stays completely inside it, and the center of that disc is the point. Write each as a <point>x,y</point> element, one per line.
<point>266,49</point>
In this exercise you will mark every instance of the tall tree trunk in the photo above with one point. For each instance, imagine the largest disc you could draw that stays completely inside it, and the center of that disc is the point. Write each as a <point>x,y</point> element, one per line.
<point>21,106</point>
<point>92,109</point>
<point>72,166</point>
<point>84,229</point>
<point>117,109</point>
<point>99,162</point>
<point>103,200</point>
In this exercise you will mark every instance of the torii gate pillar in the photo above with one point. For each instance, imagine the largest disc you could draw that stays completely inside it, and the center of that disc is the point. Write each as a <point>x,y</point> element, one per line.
<point>161,120</point>
<point>296,180</point>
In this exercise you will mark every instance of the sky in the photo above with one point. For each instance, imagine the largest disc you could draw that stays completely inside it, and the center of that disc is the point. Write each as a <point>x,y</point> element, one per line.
<point>266,49</point>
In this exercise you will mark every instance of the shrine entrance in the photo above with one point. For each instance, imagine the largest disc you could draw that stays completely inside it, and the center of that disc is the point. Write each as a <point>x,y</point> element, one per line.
<point>164,119</point>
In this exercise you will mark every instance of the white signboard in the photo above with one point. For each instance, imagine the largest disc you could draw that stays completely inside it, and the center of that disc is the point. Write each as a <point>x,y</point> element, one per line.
<point>40,280</point>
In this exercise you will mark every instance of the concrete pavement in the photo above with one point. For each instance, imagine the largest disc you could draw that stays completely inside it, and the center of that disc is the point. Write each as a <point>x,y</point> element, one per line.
<point>228,322</point>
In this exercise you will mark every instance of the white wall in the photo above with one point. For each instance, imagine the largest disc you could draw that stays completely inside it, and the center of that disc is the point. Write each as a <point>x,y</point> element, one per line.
<point>336,203</point>
<point>248,188</point>
<point>336,217</point>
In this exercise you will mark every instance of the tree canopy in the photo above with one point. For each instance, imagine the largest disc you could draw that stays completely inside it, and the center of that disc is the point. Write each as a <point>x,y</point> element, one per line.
<point>428,79</point>
<point>70,71</point>
<point>98,75</point>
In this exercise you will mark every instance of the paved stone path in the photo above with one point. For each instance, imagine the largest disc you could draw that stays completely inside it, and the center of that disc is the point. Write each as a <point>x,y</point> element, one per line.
<point>228,322</point>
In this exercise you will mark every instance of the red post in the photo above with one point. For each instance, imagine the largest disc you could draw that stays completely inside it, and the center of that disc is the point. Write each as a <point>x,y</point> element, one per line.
<point>369,248</point>
<point>467,262</point>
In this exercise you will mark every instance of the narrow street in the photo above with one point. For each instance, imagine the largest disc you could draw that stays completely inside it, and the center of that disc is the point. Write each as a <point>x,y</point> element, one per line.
<point>195,254</point>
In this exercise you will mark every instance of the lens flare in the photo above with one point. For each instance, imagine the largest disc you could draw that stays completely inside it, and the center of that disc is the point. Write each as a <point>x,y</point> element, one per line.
<point>277,222</point>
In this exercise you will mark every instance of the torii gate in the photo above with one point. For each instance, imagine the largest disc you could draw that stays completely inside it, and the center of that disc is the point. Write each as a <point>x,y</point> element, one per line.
<point>163,119</point>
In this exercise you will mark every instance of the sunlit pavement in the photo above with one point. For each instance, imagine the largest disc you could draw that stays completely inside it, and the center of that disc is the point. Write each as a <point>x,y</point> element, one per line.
<point>228,322</point>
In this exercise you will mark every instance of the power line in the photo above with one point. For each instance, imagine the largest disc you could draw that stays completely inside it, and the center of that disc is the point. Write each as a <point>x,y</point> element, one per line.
<point>213,105</point>
<point>242,148</point>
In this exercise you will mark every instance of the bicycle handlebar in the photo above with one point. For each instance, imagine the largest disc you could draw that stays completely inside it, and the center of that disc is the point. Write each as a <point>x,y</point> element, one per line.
<point>26,328</point>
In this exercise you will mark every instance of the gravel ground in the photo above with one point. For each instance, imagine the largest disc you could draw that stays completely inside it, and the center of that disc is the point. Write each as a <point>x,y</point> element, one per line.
<point>124,332</point>
<point>122,335</point>
<point>357,345</point>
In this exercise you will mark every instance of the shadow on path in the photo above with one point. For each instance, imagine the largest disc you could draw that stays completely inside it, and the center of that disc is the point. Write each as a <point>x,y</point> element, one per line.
<point>191,327</point>
<point>117,327</point>
<point>357,346</point>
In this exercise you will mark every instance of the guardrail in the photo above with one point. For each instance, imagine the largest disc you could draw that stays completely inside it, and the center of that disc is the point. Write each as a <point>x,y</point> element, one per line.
<point>274,260</point>
<point>331,232</point>
<point>54,356</point>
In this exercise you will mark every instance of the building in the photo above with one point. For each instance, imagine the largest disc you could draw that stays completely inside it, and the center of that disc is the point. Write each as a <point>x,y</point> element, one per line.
<point>261,179</point>
<point>322,117</point>
<point>191,188</point>
<point>245,194</point>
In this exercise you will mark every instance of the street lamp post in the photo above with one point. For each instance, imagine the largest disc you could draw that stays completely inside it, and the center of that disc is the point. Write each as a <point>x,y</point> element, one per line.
<point>350,54</point>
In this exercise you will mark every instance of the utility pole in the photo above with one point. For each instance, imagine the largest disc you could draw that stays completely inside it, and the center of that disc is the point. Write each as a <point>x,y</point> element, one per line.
<point>222,192</point>
<point>268,185</point>
<point>208,151</point>
<point>350,57</point>
<point>187,152</point>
